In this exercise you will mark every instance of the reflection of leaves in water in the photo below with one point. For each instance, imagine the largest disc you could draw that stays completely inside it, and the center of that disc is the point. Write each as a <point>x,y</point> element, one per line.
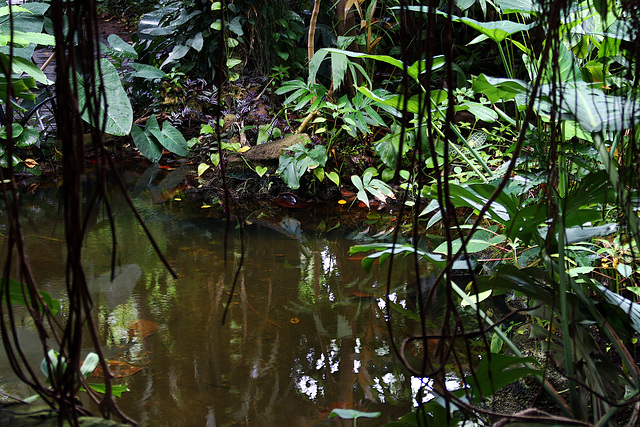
<point>292,228</point>
<point>118,290</point>
<point>344,328</point>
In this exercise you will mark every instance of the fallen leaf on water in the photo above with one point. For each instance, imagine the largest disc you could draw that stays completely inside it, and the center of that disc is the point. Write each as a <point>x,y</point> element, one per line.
<point>349,195</point>
<point>118,369</point>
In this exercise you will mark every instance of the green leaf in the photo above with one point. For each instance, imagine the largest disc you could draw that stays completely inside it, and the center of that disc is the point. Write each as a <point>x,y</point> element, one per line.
<point>116,115</point>
<point>624,269</point>
<point>17,296</point>
<point>518,6</point>
<point>499,89</point>
<point>21,65</point>
<point>496,30</point>
<point>148,72</point>
<point>116,389</point>
<point>496,371</point>
<point>171,139</point>
<point>54,361</point>
<point>197,42</point>
<point>148,147</point>
<point>481,240</point>
<point>22,39</point>
<point>261,170</point>
<point>319,174</point>
<point>16,131</point>
<point>339,63</point>
<point>121,46</point>
<point>21,88</point>
<point>496,341</point>
<point>480,111</point>
<point>596,111</point>
<point>29,137</point>
<point>235,26</point>
<point>351,414</point>
<point>334,177</point>
<point>178,52</point>
<point>4,11</point>
<point>232,62</point>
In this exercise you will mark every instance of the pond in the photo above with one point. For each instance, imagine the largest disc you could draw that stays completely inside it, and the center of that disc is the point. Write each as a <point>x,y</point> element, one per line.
<point>305,331</point>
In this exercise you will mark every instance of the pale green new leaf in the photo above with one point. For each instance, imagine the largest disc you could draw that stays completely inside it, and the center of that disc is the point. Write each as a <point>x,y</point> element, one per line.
<point>25,39</point>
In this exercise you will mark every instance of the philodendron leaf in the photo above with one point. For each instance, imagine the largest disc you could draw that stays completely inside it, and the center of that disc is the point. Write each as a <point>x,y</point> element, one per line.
<point>115,115</point>
<point>499,89</point>
<point>121,48</point>
<point>145,71</point>
<point>350,414</point>
<point>173,140</point>
<point>148,146</point>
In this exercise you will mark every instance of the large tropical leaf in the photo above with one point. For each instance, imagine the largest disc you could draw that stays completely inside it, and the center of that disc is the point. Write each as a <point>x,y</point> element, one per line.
<point>169,137</point>
<point>499,89</point>
<point>596,111</point>
<point>147,145</point>
<point>116,115</point>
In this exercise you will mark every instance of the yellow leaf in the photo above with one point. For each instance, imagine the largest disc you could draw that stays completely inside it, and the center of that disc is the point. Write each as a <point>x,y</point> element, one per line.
<point>342,202</point>
<point>30,163</point>
<point>202,167</point>
<point>244,149</point>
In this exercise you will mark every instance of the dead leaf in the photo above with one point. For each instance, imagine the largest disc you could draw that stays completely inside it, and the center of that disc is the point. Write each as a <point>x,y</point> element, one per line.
<point>118,369</point>
<point>30,163</point>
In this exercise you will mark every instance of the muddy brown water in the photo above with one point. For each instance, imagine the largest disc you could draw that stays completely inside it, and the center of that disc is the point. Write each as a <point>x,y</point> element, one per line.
<point>305,331</point>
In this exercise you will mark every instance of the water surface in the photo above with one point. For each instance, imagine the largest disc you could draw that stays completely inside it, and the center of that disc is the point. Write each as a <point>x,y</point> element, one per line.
<point>304,333</point>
